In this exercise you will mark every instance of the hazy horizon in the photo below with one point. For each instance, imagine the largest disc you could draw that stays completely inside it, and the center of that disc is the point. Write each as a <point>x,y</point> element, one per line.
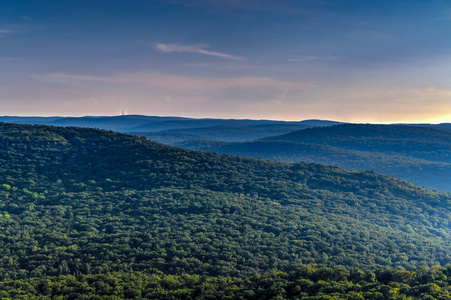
<point>225,118</point>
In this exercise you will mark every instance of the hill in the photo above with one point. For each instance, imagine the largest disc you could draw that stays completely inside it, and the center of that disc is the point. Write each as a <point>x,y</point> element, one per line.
<point>81,201</point>
<point>419,142</point>
<point>116,123</point>
<point>419,154</point>
<point>221,133</point>
<point>218,129</point>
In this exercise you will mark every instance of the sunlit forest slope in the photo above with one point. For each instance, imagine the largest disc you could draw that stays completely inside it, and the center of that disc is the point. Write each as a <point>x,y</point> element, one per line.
<point>88,200</point>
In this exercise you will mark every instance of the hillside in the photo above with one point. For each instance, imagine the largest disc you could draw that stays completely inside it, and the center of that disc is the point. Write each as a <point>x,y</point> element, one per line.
<point>89,201</point>
<point>184,128</point>
<point>418,142</point>
<point>221,133</point>
<point>116,123</point>
<point>418,154</point>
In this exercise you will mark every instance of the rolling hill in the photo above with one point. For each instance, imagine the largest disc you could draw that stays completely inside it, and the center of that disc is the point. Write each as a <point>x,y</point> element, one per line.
<point>419,154</point>
<point>184,128</point>
<point>221,133</point>
<point>92,201</point>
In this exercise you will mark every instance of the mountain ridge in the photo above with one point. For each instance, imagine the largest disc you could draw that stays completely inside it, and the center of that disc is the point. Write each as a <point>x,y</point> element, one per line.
<point>415,153</point>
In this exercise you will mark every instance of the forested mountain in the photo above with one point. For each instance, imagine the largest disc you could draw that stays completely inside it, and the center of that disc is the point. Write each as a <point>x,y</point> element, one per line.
<point>116,123</point>
<point>82,192</point>
<point>79,201</point>
<point>222,133</point>
<point>185,128</point>
<point>420,142</point>
<point>443,126</point>
<point>419,154</point>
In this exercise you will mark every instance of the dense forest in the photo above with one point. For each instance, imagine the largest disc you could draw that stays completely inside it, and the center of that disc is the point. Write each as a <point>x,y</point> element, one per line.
<point>418,154</point>
<point>303,283</point>
<point>103,213</point>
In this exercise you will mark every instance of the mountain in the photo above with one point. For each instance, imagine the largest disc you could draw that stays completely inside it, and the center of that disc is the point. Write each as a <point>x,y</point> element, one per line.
<point>29,120</point>
<point>222,130</point>
<point>419,142</point>
<point>212,125</point>
<point>116,123</point>
<point>222,133</point>
<point>177,129</point>
<point>419,154</point>
<point>443,126</point>
<point>82,201</point>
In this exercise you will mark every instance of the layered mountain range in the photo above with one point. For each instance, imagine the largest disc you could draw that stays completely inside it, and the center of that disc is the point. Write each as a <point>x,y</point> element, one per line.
<point>418,153</point>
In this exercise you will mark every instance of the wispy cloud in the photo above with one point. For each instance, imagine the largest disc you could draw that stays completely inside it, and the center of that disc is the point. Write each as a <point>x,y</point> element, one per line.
<point>199,49</point>
<point>307,58</point>
<point>4,32</point>
<point>176,82</point>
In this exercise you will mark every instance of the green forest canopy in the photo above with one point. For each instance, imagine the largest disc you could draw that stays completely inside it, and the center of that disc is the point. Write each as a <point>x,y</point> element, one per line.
<point>84,201</point>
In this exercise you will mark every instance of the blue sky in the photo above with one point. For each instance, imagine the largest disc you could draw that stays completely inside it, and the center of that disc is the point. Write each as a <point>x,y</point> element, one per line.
<point>358,61</point>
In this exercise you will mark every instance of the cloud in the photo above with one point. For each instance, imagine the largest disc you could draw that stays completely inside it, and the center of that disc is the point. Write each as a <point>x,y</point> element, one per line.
<point>307,58</point>
<point>4,32</point>
<point>199,49</point>
<point>176,82</point>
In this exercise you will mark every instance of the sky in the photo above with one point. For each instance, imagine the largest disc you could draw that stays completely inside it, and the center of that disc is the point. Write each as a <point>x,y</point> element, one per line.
<point>384,61</point>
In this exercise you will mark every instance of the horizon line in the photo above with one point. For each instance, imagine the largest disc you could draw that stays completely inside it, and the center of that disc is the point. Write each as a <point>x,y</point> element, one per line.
<point>213,118</point>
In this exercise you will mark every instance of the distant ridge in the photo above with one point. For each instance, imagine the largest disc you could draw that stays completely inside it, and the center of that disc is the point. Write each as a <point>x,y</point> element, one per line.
<point>419,154</point>
<point>148,124</point>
